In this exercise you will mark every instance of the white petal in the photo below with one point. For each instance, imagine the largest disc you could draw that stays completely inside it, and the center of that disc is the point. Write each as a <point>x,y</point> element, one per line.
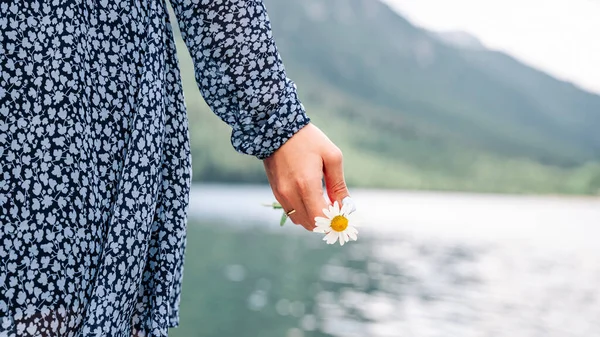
<point>328,212</point>
<point>347,201</point>
<point>345,209</point>
<point>320,224</point>
<point>352,235</point>
<point>320,220</point>
<point>340,237</point>
<point>320,229</point>
<point>342,240</point>
<point>323,224</point>
<point>336,208</point>
<point>331,237</point>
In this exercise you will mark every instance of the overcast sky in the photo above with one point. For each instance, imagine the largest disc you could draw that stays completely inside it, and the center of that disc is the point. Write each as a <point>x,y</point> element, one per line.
<point>561,37</point>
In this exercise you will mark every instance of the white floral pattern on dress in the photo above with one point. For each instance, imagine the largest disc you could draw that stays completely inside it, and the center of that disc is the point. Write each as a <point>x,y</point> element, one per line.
<point>95,161</point>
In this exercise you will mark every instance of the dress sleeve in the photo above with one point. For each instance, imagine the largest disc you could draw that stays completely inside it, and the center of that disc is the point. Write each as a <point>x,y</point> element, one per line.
<point>240,72</point>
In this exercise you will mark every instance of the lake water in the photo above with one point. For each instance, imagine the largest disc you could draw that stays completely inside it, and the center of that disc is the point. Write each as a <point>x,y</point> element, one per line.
<point>426,264</point>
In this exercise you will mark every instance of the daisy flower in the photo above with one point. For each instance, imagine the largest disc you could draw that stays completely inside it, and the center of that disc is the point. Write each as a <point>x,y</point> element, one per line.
<point>338,224</point>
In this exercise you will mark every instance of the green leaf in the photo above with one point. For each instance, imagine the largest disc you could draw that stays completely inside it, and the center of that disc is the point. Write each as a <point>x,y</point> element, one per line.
<point>283,219</point>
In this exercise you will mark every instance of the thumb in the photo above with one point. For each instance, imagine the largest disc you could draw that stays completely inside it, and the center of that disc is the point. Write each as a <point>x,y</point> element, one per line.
<point>333,170</point>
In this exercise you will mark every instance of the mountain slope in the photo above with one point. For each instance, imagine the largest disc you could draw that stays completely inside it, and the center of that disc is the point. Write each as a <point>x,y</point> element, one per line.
<point>366,49</point>
<point>410,111</point>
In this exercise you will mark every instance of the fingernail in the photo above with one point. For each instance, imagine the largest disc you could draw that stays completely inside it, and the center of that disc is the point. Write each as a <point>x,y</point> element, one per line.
<point>348,201</point>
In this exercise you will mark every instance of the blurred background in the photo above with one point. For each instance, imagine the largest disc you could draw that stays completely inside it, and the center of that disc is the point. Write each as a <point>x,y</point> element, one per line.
<point>470,132</point>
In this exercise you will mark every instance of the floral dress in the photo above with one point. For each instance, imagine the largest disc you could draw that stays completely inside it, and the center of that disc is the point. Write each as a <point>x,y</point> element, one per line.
<point>95,164</point>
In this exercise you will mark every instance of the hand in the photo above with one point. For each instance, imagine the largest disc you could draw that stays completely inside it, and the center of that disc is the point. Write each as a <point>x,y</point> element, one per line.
<point>295,172</point>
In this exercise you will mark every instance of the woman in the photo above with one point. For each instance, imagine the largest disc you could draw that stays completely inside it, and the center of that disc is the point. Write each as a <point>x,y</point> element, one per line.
<point>95,168</point>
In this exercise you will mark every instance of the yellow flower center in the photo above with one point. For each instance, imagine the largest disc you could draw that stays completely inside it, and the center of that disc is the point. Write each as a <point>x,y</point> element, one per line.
<point>339,223</point>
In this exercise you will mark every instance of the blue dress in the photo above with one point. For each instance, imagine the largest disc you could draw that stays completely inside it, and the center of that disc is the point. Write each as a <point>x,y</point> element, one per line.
<point>95,164</point>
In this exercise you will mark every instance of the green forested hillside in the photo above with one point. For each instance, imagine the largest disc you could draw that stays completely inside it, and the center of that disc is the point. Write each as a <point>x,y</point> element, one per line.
<point>410,111</point>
